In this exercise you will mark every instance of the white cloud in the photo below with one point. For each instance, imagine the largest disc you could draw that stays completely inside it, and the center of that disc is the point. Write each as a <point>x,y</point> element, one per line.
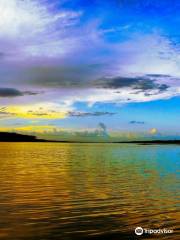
<point>67,97</point>
<point>35,28</point>
<point>148,54</point>
<point>118,96</point>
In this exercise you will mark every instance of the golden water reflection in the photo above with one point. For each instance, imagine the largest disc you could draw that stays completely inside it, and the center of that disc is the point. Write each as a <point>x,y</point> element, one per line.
<point>73,191</point>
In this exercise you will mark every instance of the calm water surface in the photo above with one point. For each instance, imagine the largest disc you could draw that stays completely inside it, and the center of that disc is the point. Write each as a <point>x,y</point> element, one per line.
<point>54,191</point>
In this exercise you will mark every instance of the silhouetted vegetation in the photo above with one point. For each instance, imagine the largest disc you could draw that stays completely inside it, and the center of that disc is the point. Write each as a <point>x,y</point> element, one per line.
<point>15,137</point>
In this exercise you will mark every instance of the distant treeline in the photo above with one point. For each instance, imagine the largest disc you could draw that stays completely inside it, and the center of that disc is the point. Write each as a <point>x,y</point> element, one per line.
<point>15,137</point>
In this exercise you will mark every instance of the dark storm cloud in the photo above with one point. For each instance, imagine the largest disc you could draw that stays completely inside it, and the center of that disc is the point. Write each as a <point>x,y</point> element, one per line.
<point>163,87</point>
<point>137,122</point>
<point>12,92</point>
<point>64,76</point>
<point>158,75</point>
<point>80,76</point>
<point>89,114</point>
<point>29,93</point>
<point>138,83</point>
<point>117,82</point>
<point>150,85</point>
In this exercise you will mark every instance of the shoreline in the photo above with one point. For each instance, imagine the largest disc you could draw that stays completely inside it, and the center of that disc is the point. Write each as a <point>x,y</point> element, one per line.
<point>16,137</point>
<point>158,142</point>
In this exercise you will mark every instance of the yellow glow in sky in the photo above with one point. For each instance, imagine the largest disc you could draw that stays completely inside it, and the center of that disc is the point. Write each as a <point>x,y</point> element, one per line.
<point>29,128</point>
<point>36,112</point>
<point>153,131</point>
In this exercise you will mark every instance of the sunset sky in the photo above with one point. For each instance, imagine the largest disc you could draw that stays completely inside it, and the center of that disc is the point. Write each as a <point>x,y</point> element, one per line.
<point>70,65</point>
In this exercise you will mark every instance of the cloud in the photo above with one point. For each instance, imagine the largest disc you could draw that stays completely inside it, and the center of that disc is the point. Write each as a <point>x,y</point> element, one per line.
<point>158,75</point>
<point>153,131</point>
<point>89,114</point>
<point>137,122</point>
<point>12,92</point>
<point>102,126</point>
<point>30,93</point>
<point>99,133</point>
<point>29,28</point>
<point>37,111</point>
<point>4,113</point>
<point>49,47</point>
<point>61,75</point>
<point>27,129</point>
<point>140,83</point>
<point>116,82</point>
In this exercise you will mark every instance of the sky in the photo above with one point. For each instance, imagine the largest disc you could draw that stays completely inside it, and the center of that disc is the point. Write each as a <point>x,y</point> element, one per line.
<point>94,67</point>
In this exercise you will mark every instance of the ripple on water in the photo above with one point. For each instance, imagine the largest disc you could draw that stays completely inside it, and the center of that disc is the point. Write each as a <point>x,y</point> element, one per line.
<point>68,191</point>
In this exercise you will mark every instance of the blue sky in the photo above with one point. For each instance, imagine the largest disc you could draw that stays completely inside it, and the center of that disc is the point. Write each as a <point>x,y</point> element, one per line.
<point>69,65</point>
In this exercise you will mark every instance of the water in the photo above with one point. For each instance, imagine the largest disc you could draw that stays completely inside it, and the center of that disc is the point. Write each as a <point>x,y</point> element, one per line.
<point>54,191</point>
